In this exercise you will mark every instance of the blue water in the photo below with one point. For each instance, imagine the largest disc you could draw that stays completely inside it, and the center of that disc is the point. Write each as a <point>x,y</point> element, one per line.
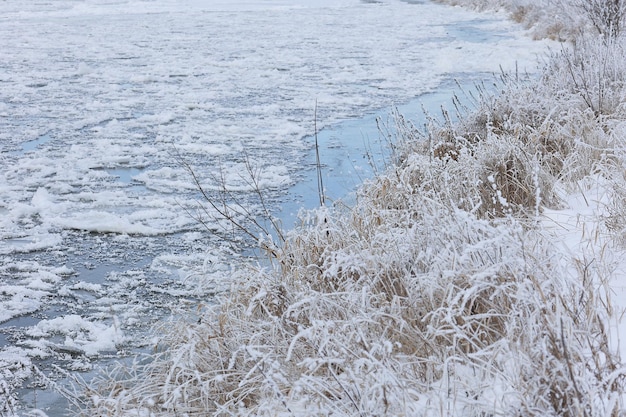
<point>34,144</point>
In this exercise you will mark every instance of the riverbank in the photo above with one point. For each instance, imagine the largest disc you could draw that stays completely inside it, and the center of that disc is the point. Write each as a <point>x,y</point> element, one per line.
<point>97,239</point>
<point>481,274</point>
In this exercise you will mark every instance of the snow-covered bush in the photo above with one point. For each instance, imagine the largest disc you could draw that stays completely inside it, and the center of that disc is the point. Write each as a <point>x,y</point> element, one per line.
<point>607,16</point>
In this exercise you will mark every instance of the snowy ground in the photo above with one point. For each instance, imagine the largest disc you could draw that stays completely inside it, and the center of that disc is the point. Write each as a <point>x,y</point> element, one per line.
<point>99,98</point>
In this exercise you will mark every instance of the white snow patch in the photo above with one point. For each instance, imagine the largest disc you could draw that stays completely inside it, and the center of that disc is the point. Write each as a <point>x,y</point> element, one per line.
<point>82,334</point>
<point>18,300</point>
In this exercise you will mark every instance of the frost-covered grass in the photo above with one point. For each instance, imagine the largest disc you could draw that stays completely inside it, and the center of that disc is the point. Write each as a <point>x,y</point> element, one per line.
<point>474,277</point>
<point>558,19</point>
<point>555,19</point>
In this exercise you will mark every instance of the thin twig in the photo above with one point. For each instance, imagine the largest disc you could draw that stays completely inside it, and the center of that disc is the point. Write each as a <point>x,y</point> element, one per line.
<point>318,163</point>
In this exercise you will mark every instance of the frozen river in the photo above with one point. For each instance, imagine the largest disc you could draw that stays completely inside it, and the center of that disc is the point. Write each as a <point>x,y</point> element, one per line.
<point>103,102</point>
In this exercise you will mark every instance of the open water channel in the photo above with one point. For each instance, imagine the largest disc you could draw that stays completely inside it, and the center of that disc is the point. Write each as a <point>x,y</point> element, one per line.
<point>104,103</point>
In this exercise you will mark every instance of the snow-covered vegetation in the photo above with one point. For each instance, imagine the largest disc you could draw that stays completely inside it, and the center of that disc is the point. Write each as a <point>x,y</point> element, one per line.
<point>558,19</point>
<point>478,275</point>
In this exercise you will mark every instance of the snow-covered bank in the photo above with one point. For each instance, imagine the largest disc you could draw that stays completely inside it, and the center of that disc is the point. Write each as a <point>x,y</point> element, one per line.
<point>562,20</point>
<point>477,276</point>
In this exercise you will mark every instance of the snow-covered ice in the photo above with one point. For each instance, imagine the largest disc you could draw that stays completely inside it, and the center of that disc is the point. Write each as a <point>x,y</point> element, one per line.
<point>101,100</point>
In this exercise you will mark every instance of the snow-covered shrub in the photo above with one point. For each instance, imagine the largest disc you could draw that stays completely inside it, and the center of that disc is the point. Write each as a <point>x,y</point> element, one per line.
<point>498,160</point>
<point>594,70</point>
<point>563,124</point>
<point>607,16</point>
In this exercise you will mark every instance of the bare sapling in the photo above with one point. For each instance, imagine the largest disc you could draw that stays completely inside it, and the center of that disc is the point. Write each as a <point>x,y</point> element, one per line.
<point>606,16</point>
<point>222,205</point>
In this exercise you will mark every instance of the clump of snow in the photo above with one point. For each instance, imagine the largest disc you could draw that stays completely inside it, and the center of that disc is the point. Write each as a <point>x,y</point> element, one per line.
<point>80,335</point>
<point>17,300</point>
